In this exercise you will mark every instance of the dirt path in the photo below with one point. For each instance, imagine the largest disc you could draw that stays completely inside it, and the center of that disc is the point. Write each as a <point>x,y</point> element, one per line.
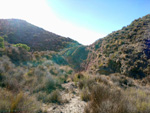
<point>74,104</point>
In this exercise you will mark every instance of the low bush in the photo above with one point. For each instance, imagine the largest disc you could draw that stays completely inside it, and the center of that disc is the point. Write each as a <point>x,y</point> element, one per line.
<point>85,95</point>
<point>140,98</point>
<point>17,103</point>
<point>53,97</point>
<point>77,77</point>
<point>107,100</point>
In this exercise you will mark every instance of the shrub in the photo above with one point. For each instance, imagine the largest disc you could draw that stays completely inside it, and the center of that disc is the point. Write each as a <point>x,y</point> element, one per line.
<point>22,46</point>
<point>140,98</point>
<point>50,84</point>
<point>78,76</point>
<point>9,102</point>
<point>18,55</point>
<point>85,95</point>
<point>106,100</point>
<point>55,97</point>
<point>86,83</point>
<point>70,72</point>
<point>1,42</point>
<point>81,84</point>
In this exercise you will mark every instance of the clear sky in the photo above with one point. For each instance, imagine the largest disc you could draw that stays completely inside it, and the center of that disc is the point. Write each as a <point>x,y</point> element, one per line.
<point>82,20</point>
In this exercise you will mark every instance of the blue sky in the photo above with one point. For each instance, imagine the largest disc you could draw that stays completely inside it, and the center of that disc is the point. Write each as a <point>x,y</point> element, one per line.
<point>82,20</point>
<point>100,15</point>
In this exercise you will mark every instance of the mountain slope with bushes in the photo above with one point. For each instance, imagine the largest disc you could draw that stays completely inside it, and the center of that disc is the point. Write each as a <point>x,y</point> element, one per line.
<point>42,72</point>
<point>126,51</point>
<point>19,31</point>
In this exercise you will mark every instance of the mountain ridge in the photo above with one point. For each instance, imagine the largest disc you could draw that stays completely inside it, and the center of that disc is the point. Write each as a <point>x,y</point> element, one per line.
<point>116,53</point>
<point>19,31</point>
<point>123,45</point>
<point>113,72</point>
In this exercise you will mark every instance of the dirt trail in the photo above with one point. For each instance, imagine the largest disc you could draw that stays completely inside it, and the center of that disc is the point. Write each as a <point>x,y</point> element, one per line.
<point>74,104</point>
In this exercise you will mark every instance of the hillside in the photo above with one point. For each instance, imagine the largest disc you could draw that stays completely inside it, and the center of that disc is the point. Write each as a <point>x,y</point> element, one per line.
<point>68,51</point>
<point>41,72</point>
<point>19,31</point>
<point>126,51</point>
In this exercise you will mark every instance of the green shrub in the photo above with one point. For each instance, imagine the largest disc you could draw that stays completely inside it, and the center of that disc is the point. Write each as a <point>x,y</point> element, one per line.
<point>22,46</point>
<point>50,85</point>
<point>1,42</point>
<point>70,72</point>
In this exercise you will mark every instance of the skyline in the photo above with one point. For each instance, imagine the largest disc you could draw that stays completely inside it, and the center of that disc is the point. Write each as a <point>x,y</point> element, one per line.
<point>82,21</point>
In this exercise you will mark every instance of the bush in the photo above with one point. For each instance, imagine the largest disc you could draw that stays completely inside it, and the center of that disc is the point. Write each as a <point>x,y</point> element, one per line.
<point>19,103</point>
<point>1,42</point>
<point>140,98</point>
<point>53,97</point>
<point>78,76</point>
<point>18,55</point>
<point>50,84</point>
<point>22,46</point>
<point>106,100</point>
<point>85,95</point>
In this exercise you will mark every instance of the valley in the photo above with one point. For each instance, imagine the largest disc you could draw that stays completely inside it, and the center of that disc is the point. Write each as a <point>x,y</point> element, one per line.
<point>42,72</point>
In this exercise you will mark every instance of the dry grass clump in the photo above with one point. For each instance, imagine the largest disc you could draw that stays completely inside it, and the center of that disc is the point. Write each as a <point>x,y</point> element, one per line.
<point>77,77</point>
<point>106,100</point>
<point>85,95</point>
<point>86,82</point>
<point>19,103</point>
<point>53,97</point>
<point>121,80</point>
<point>122,97</point>
<point>140,98</point>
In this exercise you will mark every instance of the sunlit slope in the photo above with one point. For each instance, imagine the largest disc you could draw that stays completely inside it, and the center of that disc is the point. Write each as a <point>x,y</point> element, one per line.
<point>126,51</point>
<point>19,31</point>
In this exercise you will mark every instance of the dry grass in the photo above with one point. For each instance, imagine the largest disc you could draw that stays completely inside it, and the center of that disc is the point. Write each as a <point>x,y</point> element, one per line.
<point>20,102</point>
<point>85,95</point>
<point>53,97</point>
<point>106,100</point>
<point>140,98</point>
<point>122,97</point>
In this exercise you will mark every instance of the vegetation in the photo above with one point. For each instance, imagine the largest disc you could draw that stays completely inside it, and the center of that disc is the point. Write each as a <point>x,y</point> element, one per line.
<point>35,77</point>
<point>22,46</point>
<point>1,42</point>
<point>17,102</point>
<point>18,31</point>
<point>113,94</point>
<point>111,76</point>
<point>125,51</point>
